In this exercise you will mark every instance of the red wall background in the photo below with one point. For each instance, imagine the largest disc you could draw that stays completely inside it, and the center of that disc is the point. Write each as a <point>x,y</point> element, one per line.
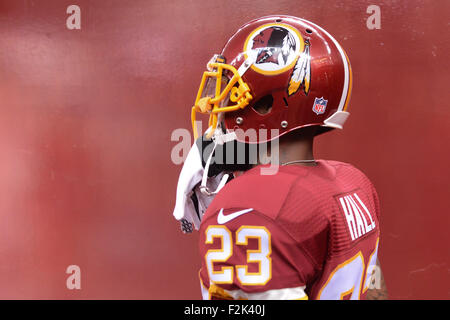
<point>86,118</point>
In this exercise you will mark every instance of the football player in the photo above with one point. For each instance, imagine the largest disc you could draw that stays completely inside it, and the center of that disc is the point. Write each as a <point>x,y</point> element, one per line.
<point>289,226</point>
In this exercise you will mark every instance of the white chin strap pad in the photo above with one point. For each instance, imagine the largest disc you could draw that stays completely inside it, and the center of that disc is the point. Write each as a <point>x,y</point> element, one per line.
<point>336,120</point>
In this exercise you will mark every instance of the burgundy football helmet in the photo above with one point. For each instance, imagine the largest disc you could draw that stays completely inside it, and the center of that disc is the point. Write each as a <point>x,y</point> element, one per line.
<point>276,72</point>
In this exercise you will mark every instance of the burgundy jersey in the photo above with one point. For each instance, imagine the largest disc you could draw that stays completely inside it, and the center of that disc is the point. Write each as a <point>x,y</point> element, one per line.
<point>304,232</point>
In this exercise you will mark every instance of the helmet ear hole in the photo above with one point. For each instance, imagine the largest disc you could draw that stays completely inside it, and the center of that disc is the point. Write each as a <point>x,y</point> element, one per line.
<point>264,105</point>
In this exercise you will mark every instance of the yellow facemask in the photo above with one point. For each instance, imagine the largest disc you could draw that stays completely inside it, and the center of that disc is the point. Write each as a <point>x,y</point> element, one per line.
<point>212,100</point>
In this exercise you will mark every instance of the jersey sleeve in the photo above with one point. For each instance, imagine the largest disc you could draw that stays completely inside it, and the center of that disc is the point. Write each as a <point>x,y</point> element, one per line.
<point>251,257</point>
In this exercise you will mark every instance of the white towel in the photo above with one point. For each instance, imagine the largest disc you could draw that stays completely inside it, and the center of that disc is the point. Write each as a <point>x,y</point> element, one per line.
<point>191,175</point>
<point>194,179</point>
<point>189,181</point>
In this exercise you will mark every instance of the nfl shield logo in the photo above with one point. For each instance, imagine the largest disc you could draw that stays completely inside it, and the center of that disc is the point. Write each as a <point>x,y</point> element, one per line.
<point>319,105</point>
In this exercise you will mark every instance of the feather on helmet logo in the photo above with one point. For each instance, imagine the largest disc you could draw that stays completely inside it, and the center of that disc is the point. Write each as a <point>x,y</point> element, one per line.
<point>301,76</point>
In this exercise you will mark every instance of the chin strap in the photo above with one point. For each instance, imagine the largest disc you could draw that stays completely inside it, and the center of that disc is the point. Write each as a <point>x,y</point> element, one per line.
<point>203,188</point>
<point>219,138</point>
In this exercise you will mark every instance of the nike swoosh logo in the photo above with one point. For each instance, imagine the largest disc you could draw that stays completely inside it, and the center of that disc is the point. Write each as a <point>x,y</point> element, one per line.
<point>222,219</point>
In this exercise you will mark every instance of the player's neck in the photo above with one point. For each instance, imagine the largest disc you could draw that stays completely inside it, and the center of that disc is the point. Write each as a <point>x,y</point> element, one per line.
<point>297,149</point>
<point>293,147</point>
<point>297,146</point>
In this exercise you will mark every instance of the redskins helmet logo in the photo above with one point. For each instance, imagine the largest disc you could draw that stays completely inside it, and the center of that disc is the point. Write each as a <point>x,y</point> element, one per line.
<point>274,45</point>
<point>276,48</point>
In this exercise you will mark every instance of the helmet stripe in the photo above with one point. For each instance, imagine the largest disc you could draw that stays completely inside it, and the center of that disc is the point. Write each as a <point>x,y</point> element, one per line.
<point>345,92</point>
<point>350,85</point>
